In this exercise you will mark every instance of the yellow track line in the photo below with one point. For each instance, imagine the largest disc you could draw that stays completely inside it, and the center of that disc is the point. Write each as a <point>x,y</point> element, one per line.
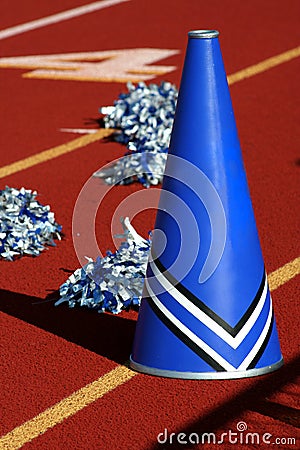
<point>54,152</point>
<point>69,406</point>
<point>264,65</point>
<point>85,140</point>
<point>284,274</point>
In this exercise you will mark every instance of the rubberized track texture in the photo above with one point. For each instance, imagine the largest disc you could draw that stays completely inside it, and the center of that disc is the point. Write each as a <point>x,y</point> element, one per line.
<point>65,383</point>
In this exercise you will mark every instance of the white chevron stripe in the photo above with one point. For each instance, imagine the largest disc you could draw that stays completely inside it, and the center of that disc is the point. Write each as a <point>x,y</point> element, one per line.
<point>259,342</point>
<point>233,341</point>
<point>201,344</point>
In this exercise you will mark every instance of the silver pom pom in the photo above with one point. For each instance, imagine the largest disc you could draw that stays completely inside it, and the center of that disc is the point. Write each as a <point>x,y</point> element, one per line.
<point>144,118</point>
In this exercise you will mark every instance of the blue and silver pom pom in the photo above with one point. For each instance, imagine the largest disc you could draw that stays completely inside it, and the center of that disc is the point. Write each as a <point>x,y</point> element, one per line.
<point>144,118</point>
<point>113,283</point>
<point>26,226</point>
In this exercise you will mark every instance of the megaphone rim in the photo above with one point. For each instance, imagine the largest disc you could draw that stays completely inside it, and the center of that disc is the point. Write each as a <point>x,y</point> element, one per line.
<point>203,34</point>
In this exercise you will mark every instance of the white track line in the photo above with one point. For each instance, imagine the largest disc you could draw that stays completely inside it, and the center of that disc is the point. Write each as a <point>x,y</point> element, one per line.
<point>79,130</point>
<point>65,15</point>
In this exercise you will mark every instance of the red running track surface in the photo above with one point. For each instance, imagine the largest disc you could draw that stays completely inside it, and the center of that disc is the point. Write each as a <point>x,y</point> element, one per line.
<point>48,353</point>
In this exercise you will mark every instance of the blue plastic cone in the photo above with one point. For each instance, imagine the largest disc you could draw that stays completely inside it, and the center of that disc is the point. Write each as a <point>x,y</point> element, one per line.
<point>206,310</point>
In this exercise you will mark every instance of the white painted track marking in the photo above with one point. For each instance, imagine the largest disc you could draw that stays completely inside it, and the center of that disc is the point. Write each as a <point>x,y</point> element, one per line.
<point>59,17</point>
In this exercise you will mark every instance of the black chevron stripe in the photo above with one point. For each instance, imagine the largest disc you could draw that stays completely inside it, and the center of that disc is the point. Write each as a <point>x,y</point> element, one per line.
<point>185,339</point>
<point>263,346</point>
<point>233,331</point>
